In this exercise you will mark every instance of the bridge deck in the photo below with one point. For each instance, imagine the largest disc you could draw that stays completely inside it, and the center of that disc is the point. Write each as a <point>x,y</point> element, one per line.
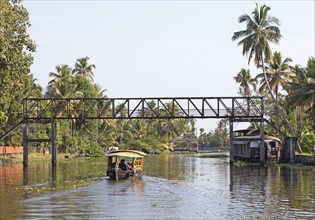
<point>238,108</point>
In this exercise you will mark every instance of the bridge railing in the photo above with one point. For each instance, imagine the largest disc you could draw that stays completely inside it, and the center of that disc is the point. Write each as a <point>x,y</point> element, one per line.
<point>145,108</point>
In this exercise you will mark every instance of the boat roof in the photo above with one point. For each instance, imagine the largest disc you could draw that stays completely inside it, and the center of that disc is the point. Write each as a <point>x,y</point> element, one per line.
<point>257,137</point>
<point>126,153</point>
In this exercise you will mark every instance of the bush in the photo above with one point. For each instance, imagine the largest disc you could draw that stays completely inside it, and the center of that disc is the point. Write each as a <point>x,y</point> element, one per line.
<point>307,141</point>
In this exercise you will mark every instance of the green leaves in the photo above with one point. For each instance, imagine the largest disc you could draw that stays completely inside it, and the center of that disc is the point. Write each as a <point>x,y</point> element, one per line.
<point>16,58</point>
<point>303,90</point>
<point>260,30</point>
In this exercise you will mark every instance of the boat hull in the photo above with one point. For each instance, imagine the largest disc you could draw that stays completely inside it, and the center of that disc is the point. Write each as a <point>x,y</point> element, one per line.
<point>122,175</point>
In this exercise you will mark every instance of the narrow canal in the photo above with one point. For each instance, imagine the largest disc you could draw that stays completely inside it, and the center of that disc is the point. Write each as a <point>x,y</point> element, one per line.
<point>173,187</point>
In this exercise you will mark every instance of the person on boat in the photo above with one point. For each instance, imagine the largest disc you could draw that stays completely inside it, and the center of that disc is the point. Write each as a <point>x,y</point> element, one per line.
<point>130,168</point>
<point>122,165</point>
<point>129,165</point>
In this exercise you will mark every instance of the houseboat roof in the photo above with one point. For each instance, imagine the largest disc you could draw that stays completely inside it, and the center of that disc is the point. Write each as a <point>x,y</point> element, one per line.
<point>257,137</point>
<point>126,153</point>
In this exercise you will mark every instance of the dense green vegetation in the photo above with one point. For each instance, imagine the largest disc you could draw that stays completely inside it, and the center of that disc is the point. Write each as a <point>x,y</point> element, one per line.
<point>16,58</point>
<point>289,92</point>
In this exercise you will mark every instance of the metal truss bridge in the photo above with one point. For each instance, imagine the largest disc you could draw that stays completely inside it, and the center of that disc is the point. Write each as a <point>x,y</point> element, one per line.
<point>235,108</point>
<point>43,110</point>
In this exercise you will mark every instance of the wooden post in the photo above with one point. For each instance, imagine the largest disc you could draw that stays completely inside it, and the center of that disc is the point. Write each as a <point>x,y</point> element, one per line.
<point>116,168</point>
<point>53,144</point>
<point>231,142</point>
<point>54,174</point>
<point>262,142</point>
<point>25,144</point>
<point>292,146</point>
<point>25,176</point>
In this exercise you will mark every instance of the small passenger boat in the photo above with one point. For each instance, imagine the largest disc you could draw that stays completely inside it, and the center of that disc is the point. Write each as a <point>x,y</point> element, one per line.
<point>117,168</point>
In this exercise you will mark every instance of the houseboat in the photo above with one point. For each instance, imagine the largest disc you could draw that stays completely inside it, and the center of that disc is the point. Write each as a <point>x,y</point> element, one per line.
<point>124,164</point>
<point>246,146</point>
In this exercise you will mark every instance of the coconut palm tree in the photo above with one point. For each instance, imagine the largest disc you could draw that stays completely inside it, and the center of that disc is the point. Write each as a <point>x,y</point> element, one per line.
<point>245,80</point>
<point>139,128</point>
<point>83,68</point>
<point>279,74</point>
<point>261,30</point>
<point>62,86</point>
<point>63,73</point>
<point>302,92</point>
<point>31,88</point>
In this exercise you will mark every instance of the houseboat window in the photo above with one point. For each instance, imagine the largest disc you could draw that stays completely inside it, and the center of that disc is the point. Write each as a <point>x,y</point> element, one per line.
<point>254,144</point>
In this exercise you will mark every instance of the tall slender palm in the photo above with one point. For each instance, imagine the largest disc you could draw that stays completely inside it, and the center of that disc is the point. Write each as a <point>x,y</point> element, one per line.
<point>245,80</point>
<point>279,74</point>
<point>260,30</point>
<point>83,68</point>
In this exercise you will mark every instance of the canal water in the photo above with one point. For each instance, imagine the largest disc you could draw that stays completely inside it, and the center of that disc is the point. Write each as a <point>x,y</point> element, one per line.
<point>174,186</point>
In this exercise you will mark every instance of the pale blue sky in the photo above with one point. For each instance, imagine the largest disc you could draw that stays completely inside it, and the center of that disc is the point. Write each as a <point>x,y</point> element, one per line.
<point>160,48</point>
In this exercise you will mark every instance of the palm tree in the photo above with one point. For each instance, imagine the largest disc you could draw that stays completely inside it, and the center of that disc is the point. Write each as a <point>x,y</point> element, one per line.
<point>279,74</point>
<point>82,68</point>
<point>31,88</point>
<point>302,92</point>
<point>107,132</point>
<point>139,128</point>
<point>62,86</point>
<point>64,73</point>
<point>245,80</point>
<point>124,133</point>
<point>260,30</point>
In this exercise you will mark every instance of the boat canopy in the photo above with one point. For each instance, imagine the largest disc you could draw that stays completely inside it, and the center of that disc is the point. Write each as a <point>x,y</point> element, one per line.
<point>126,153</point>
<point>251,138</point>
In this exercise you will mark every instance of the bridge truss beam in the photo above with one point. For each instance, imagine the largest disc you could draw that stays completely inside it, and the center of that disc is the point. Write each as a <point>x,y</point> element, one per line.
<point>236,108</point>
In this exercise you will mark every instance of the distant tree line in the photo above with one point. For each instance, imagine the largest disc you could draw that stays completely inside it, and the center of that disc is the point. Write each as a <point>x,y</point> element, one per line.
<point>86,137</point>
<point>289,92</point>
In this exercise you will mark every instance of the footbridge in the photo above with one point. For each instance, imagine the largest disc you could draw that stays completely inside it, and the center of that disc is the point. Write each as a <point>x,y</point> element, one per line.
<point>236,108</point>
<point>43,110</point>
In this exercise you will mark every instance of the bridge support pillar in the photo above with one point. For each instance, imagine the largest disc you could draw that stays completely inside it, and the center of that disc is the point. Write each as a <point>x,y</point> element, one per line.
<point>25,144</point>
<point>231,142</point>
<point>262,142</point>
<point>53,144</point>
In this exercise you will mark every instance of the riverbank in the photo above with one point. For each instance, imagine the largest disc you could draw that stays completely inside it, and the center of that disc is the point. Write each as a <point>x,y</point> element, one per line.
<point>18,158</point>
<point>305,160</point>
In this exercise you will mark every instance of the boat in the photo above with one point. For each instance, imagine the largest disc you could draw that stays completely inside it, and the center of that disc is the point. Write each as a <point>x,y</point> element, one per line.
<point>117,171</point>
<point>246,146</point>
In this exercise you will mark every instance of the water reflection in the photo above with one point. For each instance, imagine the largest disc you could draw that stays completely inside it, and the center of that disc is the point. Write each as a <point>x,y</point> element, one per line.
<point>172,187</point>
<point>170,166</point>
<point>54,175</point>
<point>25,176</point>
<point>287,192</point>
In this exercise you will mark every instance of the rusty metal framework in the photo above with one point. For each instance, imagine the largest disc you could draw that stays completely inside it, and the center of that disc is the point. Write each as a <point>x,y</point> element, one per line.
<point>234,108</point>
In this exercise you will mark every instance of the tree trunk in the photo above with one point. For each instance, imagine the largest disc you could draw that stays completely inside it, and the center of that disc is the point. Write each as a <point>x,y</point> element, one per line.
<point>276,102</point>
